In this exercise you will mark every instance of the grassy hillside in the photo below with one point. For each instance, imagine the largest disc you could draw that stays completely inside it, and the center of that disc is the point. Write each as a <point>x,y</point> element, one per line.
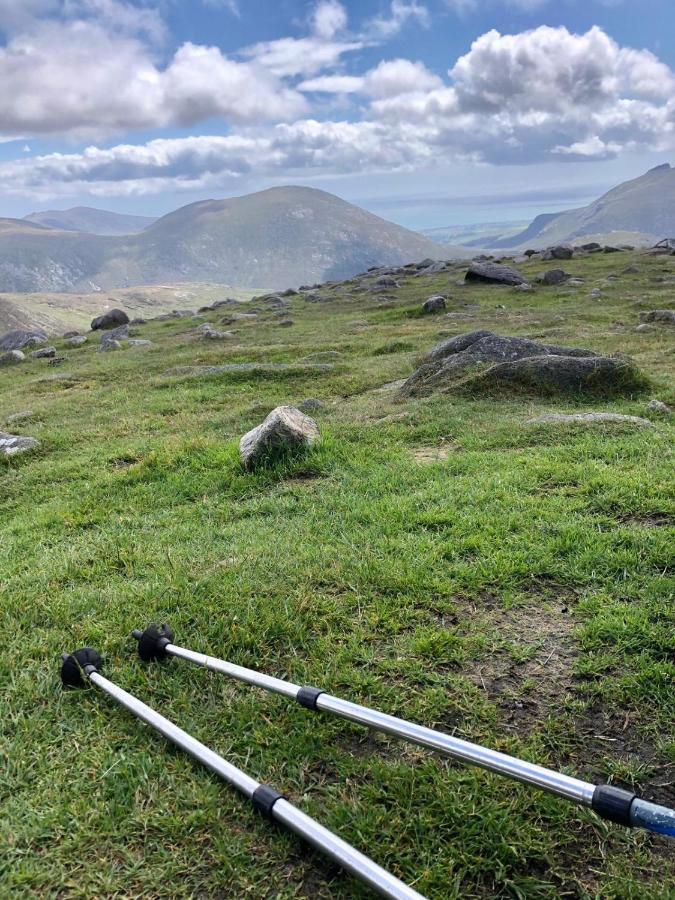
<point>57,313</point>
<point>438,559</point>
<point>93,221</point>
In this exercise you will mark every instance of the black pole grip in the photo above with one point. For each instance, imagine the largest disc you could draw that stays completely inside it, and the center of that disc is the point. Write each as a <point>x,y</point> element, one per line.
<point>264,798</point>
<point>613,803</point>
<point>152,642</point>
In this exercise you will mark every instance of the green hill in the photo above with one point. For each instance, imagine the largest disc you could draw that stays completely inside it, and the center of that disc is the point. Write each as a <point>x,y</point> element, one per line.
<point>440,559</point>
<point>93,221</point>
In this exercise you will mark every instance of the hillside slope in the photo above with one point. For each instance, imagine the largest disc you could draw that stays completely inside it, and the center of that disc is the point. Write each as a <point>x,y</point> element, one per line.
<point>90,220</point>
<point>280,237</point>
<point>644,206</point>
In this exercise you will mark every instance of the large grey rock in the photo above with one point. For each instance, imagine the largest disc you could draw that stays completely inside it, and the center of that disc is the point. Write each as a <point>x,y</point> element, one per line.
<point>20,338</point>
<point>662,316</point>
<point>561,251</point>
<point>13,444</point>
<point>108,346</point>
<point>115,335</point>
<point>493,273</point>
<point>491,357</point>
<point>590,418</point>
<point>434,304</point>
<point>553,276</point>
<point>111,319</point>
<point>44,353</point>
<point>11,358</point>
<point>285,429</point>
<point>657,406</point>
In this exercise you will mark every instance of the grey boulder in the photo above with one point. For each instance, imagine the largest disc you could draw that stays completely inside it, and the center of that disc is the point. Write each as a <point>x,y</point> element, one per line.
<point>76,341</point>
<point>488,360</point>
<point>111,319</point>
<point>11,358</point>
<point>433,305</point>
<point>20,338</point>
<point>493,273</point>
<point>121,333</point>
<point>13,444</point>
<point>662,316</point>
<point>285,430</point>
<point>553,276</point>
<point>108,346</point>
<point>561,251</point>
<point>44,353</point>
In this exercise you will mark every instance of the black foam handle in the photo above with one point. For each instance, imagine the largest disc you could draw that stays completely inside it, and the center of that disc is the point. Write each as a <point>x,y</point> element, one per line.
<point>264,798</point>
<point>613,803</point>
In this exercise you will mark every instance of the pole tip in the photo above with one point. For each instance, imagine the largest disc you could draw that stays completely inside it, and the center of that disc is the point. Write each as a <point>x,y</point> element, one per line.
<point>78,664</point>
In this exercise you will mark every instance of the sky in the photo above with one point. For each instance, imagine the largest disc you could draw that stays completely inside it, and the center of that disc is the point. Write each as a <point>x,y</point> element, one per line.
<point>427,112</point>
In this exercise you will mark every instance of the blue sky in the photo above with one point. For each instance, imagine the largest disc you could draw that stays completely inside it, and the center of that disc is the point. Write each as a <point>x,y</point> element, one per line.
<point>429,112</point>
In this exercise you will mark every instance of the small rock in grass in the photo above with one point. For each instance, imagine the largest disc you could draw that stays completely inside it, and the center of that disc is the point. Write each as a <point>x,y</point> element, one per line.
<point>21,416</point>
<point>107,346</point>
<point>57,360</point>
<point>311,404</point>
<point>434,304</point>
<point>44,353</point>
<point>492,273</point>
<point>591,418</point>
<point>210,334</point>
<point>76,341</point>
<point>71,334</point>
<point>596,292</point>
<point>139,342</point>
<point>657,406</point>
<point>13,444</point>
<point>661,316</point>
<point>11,358</point>
<point>121,333</point>
<point>286,428</point>
<point>286,323</point>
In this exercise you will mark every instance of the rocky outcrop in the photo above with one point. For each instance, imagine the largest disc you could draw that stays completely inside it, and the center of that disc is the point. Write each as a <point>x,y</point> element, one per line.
<point>493,273</point>
<point>285,430</point>
<point>13,444</point>
<point>487,360</point>
<point>112,319</point>
<point>661,316</point>
<point>11,358</point>
<point>20,338</point>
<point>433,305</point>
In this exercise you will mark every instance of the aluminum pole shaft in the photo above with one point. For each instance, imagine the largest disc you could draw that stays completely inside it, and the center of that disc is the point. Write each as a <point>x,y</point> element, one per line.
<point>303,825</point>
<point>518,769</point>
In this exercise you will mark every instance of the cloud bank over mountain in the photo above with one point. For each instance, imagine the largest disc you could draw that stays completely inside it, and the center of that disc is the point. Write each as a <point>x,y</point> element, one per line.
<point>91,71</point>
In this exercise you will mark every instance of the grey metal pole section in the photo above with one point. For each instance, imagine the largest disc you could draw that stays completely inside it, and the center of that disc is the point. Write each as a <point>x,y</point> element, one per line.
<point>608,801</point>
<point>264,798</point>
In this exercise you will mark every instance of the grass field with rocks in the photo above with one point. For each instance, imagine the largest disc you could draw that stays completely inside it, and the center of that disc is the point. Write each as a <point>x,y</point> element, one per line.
<point>439,559</point>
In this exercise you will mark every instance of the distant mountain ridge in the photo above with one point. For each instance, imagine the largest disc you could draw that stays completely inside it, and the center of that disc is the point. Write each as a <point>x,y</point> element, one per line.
<point>281,237</point>
<point>91,221</point>
<point>643,207</point>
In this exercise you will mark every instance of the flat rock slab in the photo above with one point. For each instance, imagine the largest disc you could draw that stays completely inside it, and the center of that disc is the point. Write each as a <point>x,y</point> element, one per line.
<point>493,273</point>
<point>13,444</point>
<point>491,359</point>
<point>591,418</point>
<point>285,429</point>
<point>252,368</point>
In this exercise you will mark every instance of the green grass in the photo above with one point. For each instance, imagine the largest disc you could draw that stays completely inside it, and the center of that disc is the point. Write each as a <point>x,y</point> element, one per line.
<point>436,559</point>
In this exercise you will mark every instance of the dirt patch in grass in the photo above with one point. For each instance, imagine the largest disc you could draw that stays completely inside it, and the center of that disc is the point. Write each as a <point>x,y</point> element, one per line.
<point>648,520</point>
<point>529,673</point>
<point>428,455</point>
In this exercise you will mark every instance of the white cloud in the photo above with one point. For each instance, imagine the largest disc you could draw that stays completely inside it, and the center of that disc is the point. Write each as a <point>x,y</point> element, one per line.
<point>328,19</point>
<point>400,13</point>
<point>388,79</point>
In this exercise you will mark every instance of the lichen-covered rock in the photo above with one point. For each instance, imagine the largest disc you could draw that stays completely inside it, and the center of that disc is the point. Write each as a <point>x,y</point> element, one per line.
<point>76,341</point>
<point>285,429</point>
<point>13,444</point>
<point>44,353</point>
<point>21,337</point>
<point>11,358</point>
<point>490,359</point>
<point>658,406</point>
<point>553,276</point>
<point>561,251</point>
<point>493,273</point>
<point>121,333</point>
<point>590,418</point>
<point>433,305</point>
<point>112,319</point>
<point>108,346</point>
<point>662,316</point>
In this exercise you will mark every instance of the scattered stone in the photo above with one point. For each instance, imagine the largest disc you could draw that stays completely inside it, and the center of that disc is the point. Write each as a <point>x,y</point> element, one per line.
<point>107,346</point>
<point>70,334</point>
<point>561,251</point>
<point>21,338</point>
<point>57,360</point>
<point>657,406</point>
<point>434,304</point>
<point>554,276</point>
<point>13,444</point>
<point>285,429</point>
<point>386,281</point>
<point>523,288</point>
<point>608,248</point>
<point>44,353</point>
<point>237,317</point>
<point>311,404</point>
<point>121,333</point>
<point>138,321</point>
<point>492,273</point>
<point>590,418</point>
<point>644,327</point>
<point>596,292</point>
<point>286,323</point>
<point>485,359</point>
<point>11,358</point>
<point>210,334</point>
<point>26,414</point>
<point>431,267</point>
<point>591,247</point>
<point>111,319</point>
<point>138,342</point>
<point>662,316</point>
<point>76,341</point>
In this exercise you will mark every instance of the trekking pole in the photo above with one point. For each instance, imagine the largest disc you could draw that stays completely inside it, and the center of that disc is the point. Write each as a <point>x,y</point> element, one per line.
<point>609,802</point>
<point>86,664</point>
